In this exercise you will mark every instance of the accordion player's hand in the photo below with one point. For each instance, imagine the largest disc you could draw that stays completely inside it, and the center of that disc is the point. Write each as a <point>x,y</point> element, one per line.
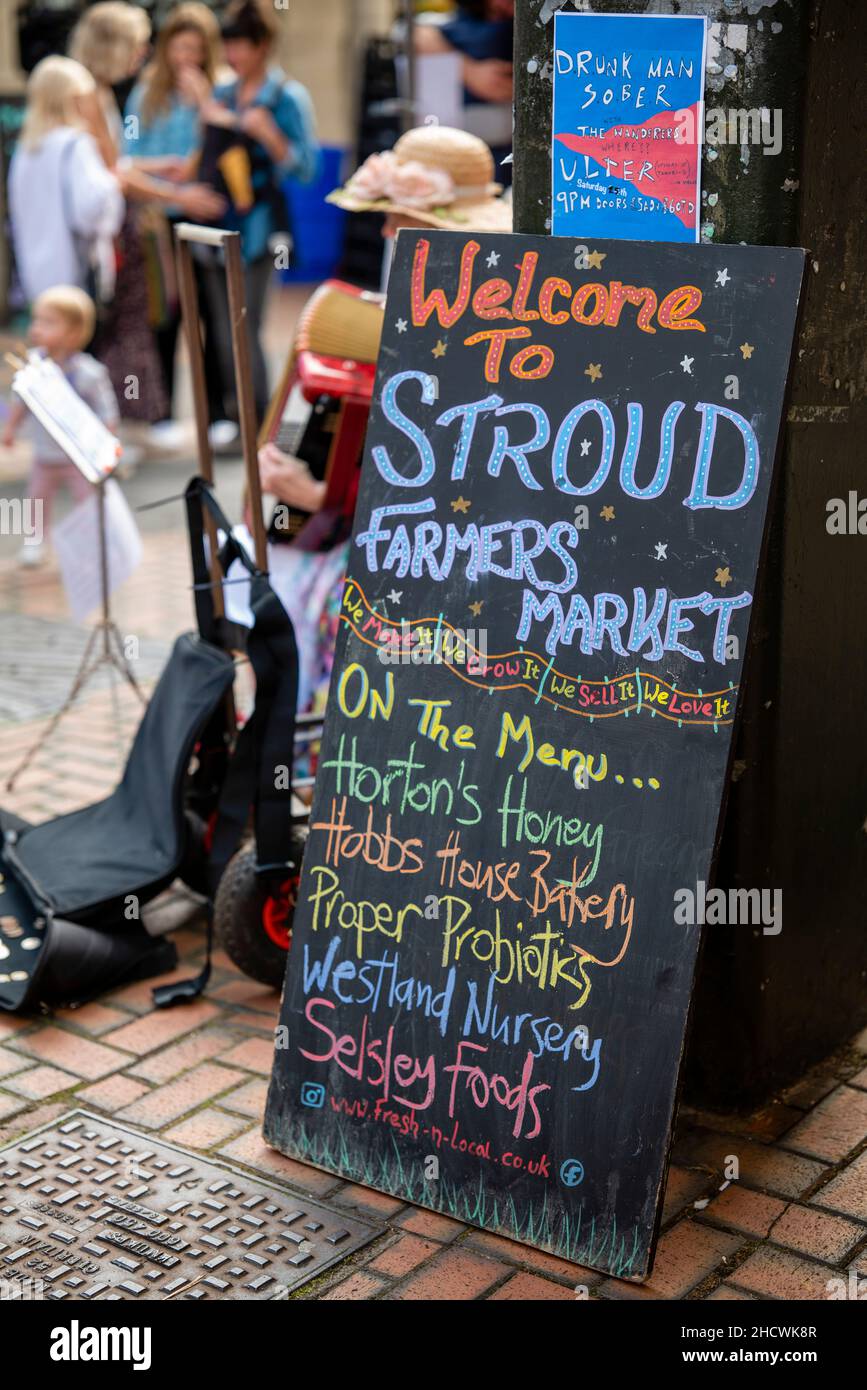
<point>289,479</point>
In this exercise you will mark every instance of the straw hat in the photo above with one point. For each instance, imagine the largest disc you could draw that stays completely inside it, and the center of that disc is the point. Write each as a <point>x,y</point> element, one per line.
<point>436,175</point>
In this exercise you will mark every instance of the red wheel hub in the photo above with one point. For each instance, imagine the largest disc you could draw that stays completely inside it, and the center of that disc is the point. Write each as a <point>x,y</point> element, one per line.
<point>277,913</point>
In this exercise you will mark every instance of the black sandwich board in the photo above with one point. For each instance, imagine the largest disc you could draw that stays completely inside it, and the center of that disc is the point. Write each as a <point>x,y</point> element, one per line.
<point>550,584</point>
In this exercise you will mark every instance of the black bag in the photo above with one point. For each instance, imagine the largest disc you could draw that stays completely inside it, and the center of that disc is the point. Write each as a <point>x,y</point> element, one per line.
<point>72,888</point>
<point>267,741</point>
<point>87,874</point>
<point>267,187</point>
<point>89,863</point>
<point>48,959</point>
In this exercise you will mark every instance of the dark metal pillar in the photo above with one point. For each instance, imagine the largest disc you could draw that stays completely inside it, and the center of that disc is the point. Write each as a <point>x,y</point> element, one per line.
<point>766,1007</point>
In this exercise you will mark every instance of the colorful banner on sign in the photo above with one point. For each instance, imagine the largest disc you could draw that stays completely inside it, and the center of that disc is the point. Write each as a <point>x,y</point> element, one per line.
<point>627,126</point>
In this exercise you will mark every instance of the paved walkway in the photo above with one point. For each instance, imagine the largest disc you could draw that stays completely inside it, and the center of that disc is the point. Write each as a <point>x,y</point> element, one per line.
<point>793,1220</point>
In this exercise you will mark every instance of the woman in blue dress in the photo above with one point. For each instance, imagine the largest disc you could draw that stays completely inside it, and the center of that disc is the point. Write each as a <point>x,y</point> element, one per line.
<point>162,137</point>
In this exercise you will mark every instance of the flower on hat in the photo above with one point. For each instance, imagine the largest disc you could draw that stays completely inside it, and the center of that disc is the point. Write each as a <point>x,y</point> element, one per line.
<point>420,186</point>
<point>410,183</point>
<point>371,180</point>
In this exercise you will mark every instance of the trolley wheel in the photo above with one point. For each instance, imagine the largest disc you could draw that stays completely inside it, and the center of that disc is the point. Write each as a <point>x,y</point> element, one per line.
<point>253,915</point>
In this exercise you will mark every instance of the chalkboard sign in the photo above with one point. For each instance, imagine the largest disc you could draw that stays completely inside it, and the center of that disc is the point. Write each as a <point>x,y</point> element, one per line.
<point>550,584</point>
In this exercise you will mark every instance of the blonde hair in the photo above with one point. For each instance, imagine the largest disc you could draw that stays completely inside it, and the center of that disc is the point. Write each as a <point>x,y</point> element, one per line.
<point>158,79</point>
<point>107,37</point>
<point>53,89</point>
<point>76,307</point>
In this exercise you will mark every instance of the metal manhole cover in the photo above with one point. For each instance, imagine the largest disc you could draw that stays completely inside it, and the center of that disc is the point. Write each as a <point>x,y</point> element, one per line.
<point>90,1209</point>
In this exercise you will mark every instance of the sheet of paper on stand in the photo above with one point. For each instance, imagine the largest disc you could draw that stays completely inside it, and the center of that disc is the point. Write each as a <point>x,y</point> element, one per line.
<point>69,420</point>
<point>76,542</point>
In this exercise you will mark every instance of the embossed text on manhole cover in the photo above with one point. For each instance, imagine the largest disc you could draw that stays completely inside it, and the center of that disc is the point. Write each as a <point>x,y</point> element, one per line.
<point>90,1209</point>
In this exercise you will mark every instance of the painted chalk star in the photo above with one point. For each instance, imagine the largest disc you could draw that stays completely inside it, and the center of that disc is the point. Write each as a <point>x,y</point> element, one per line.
<point>585,447</point>
<point>400,325</point>
<point>723,277</point>
<point>594,371</point>
<point>461,504</point>
<point>440,349</point>
<point>661,550</point>
<point>493,259</point>
<point>746,350</point>
<point>686,364</point>
<point>607,513</point>
<point>395,596</point>
<point>723,576</point>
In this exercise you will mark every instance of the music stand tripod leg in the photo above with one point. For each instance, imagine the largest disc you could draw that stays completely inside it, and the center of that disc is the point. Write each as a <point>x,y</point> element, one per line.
<point>82,676</point>
<point>98,650</point>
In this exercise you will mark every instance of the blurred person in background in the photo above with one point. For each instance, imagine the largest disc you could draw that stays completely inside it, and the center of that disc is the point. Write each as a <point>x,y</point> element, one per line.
<point>162,136</point>
<point>60,329</point>
<point>435,176</point>
<point>482,32</point>
<point>65,206</point>
<point>268,119</point>
<point>111,41</point>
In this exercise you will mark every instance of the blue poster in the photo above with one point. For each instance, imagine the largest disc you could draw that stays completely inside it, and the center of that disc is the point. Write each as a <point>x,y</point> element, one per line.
<point>627,126</point>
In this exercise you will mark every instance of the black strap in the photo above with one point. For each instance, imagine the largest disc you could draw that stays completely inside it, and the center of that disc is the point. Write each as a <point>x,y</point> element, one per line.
<point>259,773</point>
<point>199,497</point>
<point>184,991</point>
<point>260,770</point>
<point>203,790</point>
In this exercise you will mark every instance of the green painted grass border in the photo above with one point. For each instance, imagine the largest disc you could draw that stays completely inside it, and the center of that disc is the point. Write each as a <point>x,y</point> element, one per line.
<point>533,1222</point>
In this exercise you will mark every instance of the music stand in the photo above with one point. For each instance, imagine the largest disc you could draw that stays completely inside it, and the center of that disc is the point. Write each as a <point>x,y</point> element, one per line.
<point>104,645</point>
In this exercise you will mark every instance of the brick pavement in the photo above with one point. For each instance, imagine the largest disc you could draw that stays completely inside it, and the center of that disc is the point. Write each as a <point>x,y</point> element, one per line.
<point>794,1218</point>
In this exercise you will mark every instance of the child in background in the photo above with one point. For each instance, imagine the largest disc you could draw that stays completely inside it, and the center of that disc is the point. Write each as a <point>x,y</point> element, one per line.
<point>62,324</point>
